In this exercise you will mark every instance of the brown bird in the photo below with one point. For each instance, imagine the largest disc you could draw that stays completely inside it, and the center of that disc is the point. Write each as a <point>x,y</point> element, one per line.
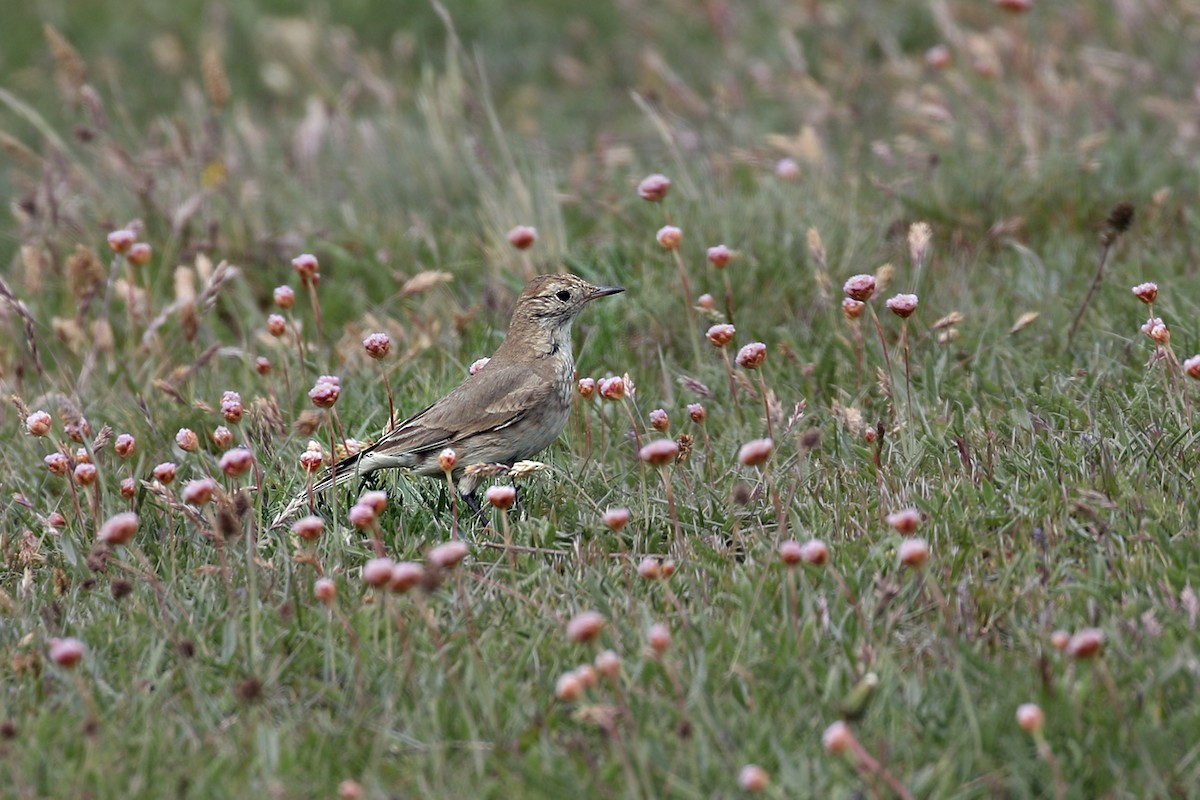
<point>510,410</point>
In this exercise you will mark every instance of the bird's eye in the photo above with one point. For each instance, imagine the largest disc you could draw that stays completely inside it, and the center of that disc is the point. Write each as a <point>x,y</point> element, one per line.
<point>564,295</point>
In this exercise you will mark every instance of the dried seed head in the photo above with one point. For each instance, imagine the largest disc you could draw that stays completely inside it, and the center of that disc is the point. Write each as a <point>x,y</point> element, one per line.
<point>39,422</point>
<point>860,287</point>
<point>659,452</point>
<point>653,188</point>
<point>448,554</point>
<point>377,345</point>
<point>1086,643</point>
<point>719,256</point>
<point>905,521</point>
<point>753,778</point>
<point>199,492</point>
<point>720,335</point>
<point>187,440</point>
<point>285,297</point>
<point>1146,292</point>
<point>501,497</point>
<point>66,653</point>
<point>669,237</point>
<point>1030,717</point>
<point>236,462</point>
<point>522,237</point>
<point>913,552</point>
<point>164,473</point>
<point>659,420</point>
<point>755,452</point>
<point>902,305</point>
<point>616,518</point>
<point>752,356</point>
<point>585,626</point>
<point>1121,216</point>
<point>119,529</point>
<point>325,590</point>
<point>919,237</point>
<point>378,572</point>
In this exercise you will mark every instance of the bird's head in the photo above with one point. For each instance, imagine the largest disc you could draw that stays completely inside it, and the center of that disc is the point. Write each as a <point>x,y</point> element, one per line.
<point>553,301</point>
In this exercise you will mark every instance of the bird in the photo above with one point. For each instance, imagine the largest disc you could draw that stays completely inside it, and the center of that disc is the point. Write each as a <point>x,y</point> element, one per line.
<point>508,411</point>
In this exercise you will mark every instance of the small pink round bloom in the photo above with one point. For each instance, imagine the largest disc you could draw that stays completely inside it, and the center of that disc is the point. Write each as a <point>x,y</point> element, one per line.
<point>659,638</point>
<point>851,308</point>
<point>755,452</point>
<point>324,589</point>
<point>119,529</point>
<point>568,688</point>
<point>752,356</point>
<point>697,413</point>
<point>905,521</point>
<point>706,301</point>
<point>361,516</point>
<point>199,492</point>
<point>187,440</point>
<point>522,237</point>
<point>1157,330</point>
<point>1030,717</point>
<point>585,626</point>
<point>58,464</point>
<point>860,287</point>
<point>1191,366</point>
<point>477,365</point>
<point>587,675</point>
<point>653,188</point>
<point>616,518</point>
<point>285,297</point>
<point>262,365</point>
<point>231,407</point>
<point>165,472</point>
<point>753,778</point>
<point>1146,292</point>
<point>1085,643</point>
<point>222,437</point>
<point>378,572</point>
<point>66,653</point>
<point>902,305</point>
<point>56,520</point>
<point>128,488</point>
<point>668,568</point>
<point>608,664</point>
<point>659,420</point>
<point>787,169</point>
<point>376,500</point>
<point>1014,6</point>
<point>660,452</point>
<point>649,568</point>
<point>938,57</point>
<point>612,388</point>
<point>501,497</point>
<point>124,445</point>
<point>139,254</point>
<point>307,267</point>
<point>237,462</point>
<point>837,738</point>
<point>78,430</point>
<point>587,387</point>
<point>720,335</point>
<point>719,256</point>
<point>1059,640</point>
<point>405,575</point>
<point>121,240</point>
<point>913,552</point>
<point>448,554</point>
<point>814,552</point>
<point>377,345</point>
<point>324,393</point>
<point>312,460</point>
<point>447,459</point>
<point>82,456</point>
<point>669,237</point>
<point>276,325</point>
<point>85,474</point>
<point>38,424</point>
<point>790,552</point>
<point>309,528</point>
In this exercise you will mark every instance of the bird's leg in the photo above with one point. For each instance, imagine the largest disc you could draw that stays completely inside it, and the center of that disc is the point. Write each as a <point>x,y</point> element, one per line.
<point>473,503</point>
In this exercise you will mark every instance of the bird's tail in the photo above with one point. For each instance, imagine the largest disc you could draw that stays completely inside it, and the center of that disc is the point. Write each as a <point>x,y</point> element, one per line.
<point>340,474</point>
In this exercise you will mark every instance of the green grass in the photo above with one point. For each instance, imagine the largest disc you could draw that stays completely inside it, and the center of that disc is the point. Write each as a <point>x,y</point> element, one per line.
<point>1055,480</point>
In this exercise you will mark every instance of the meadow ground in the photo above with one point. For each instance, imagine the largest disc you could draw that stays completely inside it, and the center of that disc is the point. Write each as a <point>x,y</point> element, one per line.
<point>983,505</point>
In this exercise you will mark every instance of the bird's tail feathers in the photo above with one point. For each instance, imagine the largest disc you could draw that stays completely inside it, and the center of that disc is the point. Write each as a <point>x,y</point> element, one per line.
<point>340,474</point>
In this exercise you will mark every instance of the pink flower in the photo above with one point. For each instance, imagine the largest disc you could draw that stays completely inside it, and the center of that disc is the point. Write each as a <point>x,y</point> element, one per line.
<point>787,169</point>
<point>1146,292</point>
<point>309,528</point>
<point>905,521</point>
<point>501,497</point>
<point>276,325</point>
<point>1014,6</point>
<point>568,688</point>
<point>789,552</point>
<point>1030,717</point>
<point>325,392</point>
<point>307,267</point>
<point>585,626</point>
<point>1085,643</point>
<point>478,364</point>
<point>612,388</point>
<point>851,308</point>
<point>814,552</point>
<point>38,424</point>
<point>58,464</point>
<point>447,459</point>
<point>262,365</point>
<point>236,462</point>
<point>659,420</point>
<point>448,554</point>
<point>164,473</point>
<point>752,356</point>
<point>121,240</point>
<point>324,589</point>
<point>231,407</point>
<point>377,345</point>
<point>222,437</point>
<point>902,305</point>
<point>376,500</point>
<point>755,452</point>
<point>654,188</point>
<point>720,335</point>
<point>697,413</point>
<point>753,778</point>
<point>1192,367</point>
<point>187,440</point>
<point>139,254</point>
<point>119,529</point>
<point>608,664</point>
<point>706,301</point>
<point>860,287</point>
<point>616,518</point>
<point>837,738</point>
<point>938,57</point>
<point>312,459</point>
<point>659,452</point>
<point>285,297</point>
<point>361,515</point>
<point>85,474</point>
<point>405,575</point>
<point>1156,329</point>
<point>66,653</point>
<point>649,568</point>
<point>128,488</point>
<point>913,552</point>
<point>587,387</point>
<point>378,572</point>
<point>199,492</point>
<point>659,638</point>
<point>669,237</point>
<point>522,237</point>
<point>719,256</point>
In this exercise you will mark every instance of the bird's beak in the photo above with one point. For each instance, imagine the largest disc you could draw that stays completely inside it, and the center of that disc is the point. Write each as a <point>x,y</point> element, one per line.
<point>604,291</point>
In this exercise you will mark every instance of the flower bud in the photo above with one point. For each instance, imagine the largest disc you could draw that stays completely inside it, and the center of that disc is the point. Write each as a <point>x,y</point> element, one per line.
<point>585,626</point>
<point>653,188</point>
<point>38,423</point>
